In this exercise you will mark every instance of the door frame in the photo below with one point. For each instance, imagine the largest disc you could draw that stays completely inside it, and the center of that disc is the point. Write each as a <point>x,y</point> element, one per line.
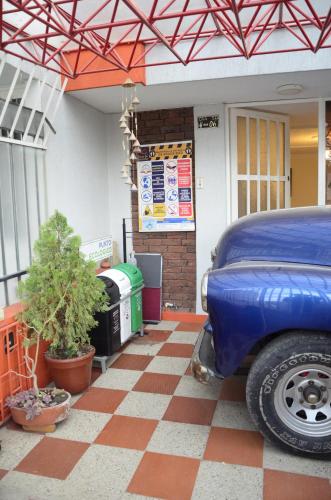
<point>321,144</point>
<point>236,177</point>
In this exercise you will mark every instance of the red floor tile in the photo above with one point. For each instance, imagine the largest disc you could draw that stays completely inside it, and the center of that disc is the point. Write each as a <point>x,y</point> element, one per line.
<point>3,472</point>
<point>233,389</point>
<point>235,446</point>
<point>99,399</point>
<point>190,410</point>
<point>176,350</point>
<point>188,327</point>
<point>157,383</point>
<point>165,476</point>
<point>53,457</point>
<point>284,485</point>
<point>155,336</point>
<point>132,362</point>
<point>127,432</point>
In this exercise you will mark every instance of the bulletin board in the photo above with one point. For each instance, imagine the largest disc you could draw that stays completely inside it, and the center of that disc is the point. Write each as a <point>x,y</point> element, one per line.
<point>165,187</point>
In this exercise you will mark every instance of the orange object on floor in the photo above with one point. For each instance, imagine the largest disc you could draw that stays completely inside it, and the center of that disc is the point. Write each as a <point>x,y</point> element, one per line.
<point>12,360</point>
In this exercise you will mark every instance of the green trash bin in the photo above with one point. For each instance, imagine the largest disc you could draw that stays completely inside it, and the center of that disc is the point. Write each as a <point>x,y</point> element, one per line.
<point>136,279</point>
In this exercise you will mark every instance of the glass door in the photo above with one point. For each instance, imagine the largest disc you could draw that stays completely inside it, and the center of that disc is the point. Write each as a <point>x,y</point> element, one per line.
<point>260,152</point>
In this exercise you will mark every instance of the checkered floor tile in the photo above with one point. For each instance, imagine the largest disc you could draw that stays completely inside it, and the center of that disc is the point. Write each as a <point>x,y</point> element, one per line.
<point>147,429</point>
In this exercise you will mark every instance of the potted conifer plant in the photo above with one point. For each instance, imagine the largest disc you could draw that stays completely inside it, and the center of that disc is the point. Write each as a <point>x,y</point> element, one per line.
<point>60,296</point>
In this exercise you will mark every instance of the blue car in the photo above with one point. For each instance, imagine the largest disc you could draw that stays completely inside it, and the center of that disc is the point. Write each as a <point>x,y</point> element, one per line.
<point>269,294</point>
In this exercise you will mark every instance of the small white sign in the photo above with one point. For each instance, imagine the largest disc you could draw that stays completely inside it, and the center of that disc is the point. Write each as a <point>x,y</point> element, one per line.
<point>98,250</point>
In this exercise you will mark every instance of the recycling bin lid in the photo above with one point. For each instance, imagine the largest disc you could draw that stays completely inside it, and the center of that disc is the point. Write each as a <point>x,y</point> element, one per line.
<point>133,273</point>
<point>111,288</point>
<point>121,280</point>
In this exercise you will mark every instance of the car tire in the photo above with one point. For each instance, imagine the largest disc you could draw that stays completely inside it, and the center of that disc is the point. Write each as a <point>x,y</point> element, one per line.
<point>289,393</point>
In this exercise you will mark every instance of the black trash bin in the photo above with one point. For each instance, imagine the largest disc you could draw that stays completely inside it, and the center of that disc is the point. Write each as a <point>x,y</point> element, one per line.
<point>106,337</point>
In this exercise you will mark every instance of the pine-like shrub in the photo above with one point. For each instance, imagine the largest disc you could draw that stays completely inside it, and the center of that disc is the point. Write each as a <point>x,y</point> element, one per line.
<point>61,293</point>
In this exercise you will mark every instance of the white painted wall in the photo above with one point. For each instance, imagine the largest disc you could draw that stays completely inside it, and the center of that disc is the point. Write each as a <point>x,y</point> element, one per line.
<point>77,173</point>
<point>234,67</point>
<point>211,201</point>
<point>119,192</point>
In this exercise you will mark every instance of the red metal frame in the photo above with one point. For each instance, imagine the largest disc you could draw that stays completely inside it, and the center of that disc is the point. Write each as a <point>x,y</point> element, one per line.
<point>44,31</point>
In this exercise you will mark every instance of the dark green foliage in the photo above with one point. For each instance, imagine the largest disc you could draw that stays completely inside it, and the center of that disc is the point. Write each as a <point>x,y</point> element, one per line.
<point>61,293</point>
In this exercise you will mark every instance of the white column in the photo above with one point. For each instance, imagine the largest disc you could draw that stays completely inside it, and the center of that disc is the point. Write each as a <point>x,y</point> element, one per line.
<point>119,192</point>
<point>211,199</point>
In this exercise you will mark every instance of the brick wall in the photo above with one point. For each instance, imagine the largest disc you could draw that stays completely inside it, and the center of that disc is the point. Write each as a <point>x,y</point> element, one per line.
<point>177,248</point>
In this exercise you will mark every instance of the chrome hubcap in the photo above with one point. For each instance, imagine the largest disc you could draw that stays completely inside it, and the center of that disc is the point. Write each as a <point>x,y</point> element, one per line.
<point>303,400</point>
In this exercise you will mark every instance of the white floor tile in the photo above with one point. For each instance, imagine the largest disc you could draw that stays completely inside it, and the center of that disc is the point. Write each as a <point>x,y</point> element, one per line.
<point>174,438</point>
<point>15,445</point>
<point>103,473</point>
<point>183,337</point>
<point>167,364</point>
<point>81,426</point>
<point>117,378</point>
<point>232,414</point>
<point>163,325</point>
<point>275,458</point>
<point>190,387</point>
<point>219,481</point>
<point>143,404</point>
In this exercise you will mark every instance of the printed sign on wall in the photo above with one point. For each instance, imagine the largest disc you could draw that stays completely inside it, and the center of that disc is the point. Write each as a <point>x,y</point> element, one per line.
<point>165,192</point>
<point>97,250</point>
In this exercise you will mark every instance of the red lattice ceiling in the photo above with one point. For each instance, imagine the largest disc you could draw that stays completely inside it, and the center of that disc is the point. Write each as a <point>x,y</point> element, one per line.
<point>170,32</point>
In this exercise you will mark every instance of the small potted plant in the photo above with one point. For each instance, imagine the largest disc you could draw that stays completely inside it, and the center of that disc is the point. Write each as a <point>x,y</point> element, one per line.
<point>60,296</point>
<point>37,409</point>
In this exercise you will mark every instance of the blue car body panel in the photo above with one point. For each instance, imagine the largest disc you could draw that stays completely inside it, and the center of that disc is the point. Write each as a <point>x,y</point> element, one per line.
<point>295,235</point>
<point>271,274</point>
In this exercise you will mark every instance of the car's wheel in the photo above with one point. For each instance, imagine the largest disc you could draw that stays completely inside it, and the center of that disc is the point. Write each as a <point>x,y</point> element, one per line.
<point>289,392</point>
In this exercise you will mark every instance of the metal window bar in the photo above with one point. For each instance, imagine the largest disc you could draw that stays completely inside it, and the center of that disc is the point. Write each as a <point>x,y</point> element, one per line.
<point>33,112</point>
<point>14,207</point>
<point>10,92</point>
<point>26,90</point>
<point>27,208</point>
<point>42,121</point>
<point>56,108</point>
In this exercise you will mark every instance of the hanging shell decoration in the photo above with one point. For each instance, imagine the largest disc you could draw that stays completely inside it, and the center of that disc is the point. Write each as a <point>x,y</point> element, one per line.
<point>128,123</point>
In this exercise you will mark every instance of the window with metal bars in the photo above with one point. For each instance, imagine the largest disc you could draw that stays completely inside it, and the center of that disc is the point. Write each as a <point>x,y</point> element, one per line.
<point>22,210</point>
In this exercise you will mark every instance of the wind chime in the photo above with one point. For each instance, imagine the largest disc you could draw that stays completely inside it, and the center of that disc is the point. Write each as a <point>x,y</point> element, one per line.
<point>129,124</point>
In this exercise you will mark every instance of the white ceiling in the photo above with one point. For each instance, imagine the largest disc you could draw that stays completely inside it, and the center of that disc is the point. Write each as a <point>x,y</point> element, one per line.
<point>228,90</point>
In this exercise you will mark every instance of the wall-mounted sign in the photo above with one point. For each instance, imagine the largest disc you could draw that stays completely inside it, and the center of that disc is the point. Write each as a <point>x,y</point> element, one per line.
<point>165,191</point>
<point>208,121</point>
<point>97,250</point>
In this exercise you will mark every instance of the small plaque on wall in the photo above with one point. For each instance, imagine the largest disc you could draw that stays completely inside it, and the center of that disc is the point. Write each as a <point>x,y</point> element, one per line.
<point>208,121</point>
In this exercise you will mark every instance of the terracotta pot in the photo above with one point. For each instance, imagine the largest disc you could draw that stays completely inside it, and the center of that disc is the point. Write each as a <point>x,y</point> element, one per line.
<point>45,422</point>
<point>73,375</point>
